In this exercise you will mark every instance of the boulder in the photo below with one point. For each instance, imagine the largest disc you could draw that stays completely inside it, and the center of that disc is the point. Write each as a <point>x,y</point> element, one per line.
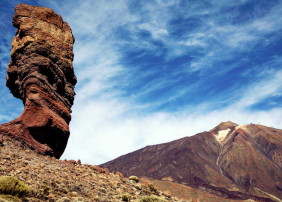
<point>97,168</point>
<point>106,171</point>
<point>120,175</point>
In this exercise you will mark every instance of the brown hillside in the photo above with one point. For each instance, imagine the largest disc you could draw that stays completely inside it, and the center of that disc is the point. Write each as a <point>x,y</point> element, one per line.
<point>229,158</point>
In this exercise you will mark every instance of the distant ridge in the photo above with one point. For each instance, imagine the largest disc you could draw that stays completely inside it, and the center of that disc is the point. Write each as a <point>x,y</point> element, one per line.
<point>243,161</point>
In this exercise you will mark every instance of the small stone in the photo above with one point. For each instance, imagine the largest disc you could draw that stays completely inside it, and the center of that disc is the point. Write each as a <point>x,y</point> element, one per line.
<point>103,190</point>
<point>167,193</point>
<point>97,168</point>
<point>72,162</point>
<point>29,181</point>
<point>106,171</point>
<point>120,175</point>
<point>28,158</point>
<point>73,194</point>
<point>51,196</point>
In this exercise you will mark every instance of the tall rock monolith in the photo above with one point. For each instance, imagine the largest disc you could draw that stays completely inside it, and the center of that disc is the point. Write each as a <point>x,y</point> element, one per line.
<point>41,74</point>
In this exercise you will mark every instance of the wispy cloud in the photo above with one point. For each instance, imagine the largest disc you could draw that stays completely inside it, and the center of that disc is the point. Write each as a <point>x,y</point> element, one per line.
<point>132,57</point>
<point>259,91</point>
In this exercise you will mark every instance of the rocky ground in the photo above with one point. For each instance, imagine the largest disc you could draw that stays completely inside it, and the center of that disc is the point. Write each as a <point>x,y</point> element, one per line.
<point>50,179</point>
<point>184,192</point>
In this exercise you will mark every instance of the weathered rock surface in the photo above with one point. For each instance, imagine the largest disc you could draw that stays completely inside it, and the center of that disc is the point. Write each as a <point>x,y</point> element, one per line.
<point>41,74</point>
<point>236,162</point>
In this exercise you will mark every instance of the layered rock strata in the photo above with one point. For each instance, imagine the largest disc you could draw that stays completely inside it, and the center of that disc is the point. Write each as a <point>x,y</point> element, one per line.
<point>41,74</point>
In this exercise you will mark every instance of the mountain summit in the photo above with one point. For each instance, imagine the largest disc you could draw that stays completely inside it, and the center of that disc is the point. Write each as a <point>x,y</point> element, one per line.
<point>224,126</point>
<point>230,159</point>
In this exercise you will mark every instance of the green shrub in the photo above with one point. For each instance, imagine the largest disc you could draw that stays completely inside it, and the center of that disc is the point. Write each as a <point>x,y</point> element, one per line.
<point>153,189</point>
<point>151,199</point>
<point>134,178</point>
<point>125,197</point>
<point>5,198</point>
<point>150,189</point>
<point>63,199</point>
<point>12,186</point>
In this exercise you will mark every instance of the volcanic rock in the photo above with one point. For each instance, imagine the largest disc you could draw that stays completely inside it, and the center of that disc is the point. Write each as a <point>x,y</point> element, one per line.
<point>120,175</point>
<point>106,171</point>
<point>97,169</point>
<point>41,74</point>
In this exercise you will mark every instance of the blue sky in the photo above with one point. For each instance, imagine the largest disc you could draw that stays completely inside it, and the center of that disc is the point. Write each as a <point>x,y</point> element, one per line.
<point>154,71</point>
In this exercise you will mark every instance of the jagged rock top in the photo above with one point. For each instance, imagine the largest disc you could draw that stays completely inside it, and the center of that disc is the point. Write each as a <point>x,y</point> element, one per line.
<point>42,48</point>
<point>39,13</point>
<point>224,126</point>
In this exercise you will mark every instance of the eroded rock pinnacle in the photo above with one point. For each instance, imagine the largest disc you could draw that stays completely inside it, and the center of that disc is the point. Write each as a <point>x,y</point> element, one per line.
<point>41,74</point>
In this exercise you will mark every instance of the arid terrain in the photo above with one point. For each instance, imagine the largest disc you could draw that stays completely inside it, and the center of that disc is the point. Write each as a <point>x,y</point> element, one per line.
<point>50,179</point>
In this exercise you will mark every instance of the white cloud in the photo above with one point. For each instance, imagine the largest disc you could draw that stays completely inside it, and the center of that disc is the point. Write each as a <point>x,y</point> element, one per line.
<point>194,42</point>
<point>259,91</point>
<point>156,33</point>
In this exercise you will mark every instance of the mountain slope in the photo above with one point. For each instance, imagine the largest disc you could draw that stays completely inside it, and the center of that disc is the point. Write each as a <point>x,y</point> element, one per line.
<point>246,159</point>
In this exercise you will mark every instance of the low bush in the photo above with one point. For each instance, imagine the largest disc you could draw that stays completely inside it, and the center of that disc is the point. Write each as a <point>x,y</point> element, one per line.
<point>12,186</point>
<point>125,197</point>
<point>5,198</point>
<point>150,189</point>
<point>134,178</point>
<point>151,199</point>
<point>153,189</point>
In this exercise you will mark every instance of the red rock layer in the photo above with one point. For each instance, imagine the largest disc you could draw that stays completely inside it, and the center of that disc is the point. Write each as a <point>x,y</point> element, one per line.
<point>41,74</point>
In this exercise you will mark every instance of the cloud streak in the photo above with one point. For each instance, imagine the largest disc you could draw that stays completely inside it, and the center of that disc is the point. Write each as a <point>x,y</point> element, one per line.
<point>116,122</point>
